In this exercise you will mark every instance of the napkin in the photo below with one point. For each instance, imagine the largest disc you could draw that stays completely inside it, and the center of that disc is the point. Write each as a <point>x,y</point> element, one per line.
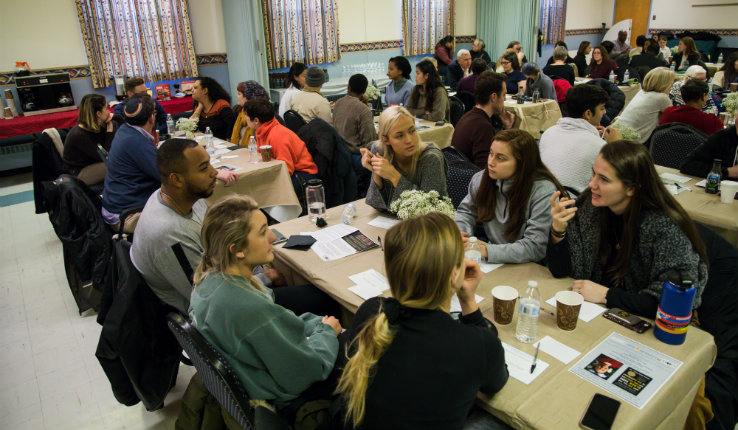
<point>299,242</point>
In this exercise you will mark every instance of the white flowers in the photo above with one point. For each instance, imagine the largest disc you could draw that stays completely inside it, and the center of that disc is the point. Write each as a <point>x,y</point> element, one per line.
<point>372,93</point>
<point>627,132</point>
<point>187,124</point>
<point>730,103</point>
<point>414,203</point>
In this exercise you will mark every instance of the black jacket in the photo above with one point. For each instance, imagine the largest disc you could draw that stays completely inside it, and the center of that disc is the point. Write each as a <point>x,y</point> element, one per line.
<point>617,97</point>
<point>721,145</point>
<point>454,73</point>
<point>481,54</point>
<point>581,62</point>
<point>646,60</point>
<point>692,59</point>
<point>136,350</point>
<point>333,158</point>
<point>47,166</point>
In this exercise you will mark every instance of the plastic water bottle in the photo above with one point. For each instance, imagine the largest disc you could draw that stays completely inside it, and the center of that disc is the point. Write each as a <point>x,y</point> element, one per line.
<point>473,250</point>
<point>170,125</point>
<point>536,96</point>
<point>720,58</point>
<point>626,76</point>
<point>528,311</point>
<point>209,145</point>
<point>349,212</point>
<point>253,150</point>
<point>713,178</point>
<point>672,66</point>
<point>612,76</point>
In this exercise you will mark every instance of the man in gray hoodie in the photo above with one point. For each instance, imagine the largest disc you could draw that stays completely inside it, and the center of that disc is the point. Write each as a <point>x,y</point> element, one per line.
<point>569,148</point>
<point>537,80</point>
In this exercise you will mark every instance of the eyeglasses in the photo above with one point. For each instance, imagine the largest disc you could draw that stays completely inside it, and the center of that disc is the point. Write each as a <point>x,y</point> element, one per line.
<point>505,62</point>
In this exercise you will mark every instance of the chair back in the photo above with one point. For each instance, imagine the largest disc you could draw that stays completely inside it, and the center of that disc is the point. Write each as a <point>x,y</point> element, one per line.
<point>671,143</point>
<point>293,121</point>
<point>457,109</point>
<point>467,98</point>
<point>47,166</point>
<point>460,172</point>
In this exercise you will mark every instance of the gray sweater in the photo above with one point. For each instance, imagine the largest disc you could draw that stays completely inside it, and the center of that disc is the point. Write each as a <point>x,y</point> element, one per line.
<point>530,245</point>
<point>430,174</point>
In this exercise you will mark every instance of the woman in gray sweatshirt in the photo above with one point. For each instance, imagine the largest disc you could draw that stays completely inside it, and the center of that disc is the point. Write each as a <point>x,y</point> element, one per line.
<point>511,200</point>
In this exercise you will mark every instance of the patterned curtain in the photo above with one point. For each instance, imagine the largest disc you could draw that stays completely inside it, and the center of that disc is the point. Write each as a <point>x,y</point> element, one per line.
<point>147,38</point>
<point>553,20</point>
<point>424,23</point>
<point>300,30</point>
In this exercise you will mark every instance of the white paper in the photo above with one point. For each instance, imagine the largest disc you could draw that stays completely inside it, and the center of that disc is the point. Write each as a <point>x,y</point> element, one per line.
<point>229,156</point>
<point>557,350</point>
<point>221,151</point>
<point>587,312</point>
<point>456,305</point>
<point>383,222</point>
<point>371,278</point>
<point>488,267</point>
<point>674,177</point>
<point>366,292</point>
<point>331,233</point>
<point>518,364</point>
<point>213,161</point>
<point>675,188</point>
<point>332,250</point>
<point>701,183</point>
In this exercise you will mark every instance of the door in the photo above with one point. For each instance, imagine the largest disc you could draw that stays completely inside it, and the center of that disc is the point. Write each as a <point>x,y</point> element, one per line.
<point>636,10</point>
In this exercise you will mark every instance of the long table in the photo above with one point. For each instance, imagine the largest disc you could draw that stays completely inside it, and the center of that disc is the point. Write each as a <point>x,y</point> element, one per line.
<point>540,404</point>
<point>428,131</point>
<point>707,208</point>
<point>534,117</point>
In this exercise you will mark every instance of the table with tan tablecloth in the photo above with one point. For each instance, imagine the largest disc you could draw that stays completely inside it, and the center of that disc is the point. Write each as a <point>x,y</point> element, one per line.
<point>429,132</point>
<point>534,117</point>
<point>540,404</point>
<point>707,208</point>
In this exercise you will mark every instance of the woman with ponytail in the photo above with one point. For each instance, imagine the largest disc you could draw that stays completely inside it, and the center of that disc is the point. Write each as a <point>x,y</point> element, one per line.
<point>408,347</point>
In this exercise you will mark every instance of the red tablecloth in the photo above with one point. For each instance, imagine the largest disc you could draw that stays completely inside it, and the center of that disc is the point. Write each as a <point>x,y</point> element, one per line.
<point>37,123</point>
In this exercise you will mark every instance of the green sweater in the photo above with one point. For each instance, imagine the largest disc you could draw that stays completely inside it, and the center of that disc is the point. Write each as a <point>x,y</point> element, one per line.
<point>276,354</point>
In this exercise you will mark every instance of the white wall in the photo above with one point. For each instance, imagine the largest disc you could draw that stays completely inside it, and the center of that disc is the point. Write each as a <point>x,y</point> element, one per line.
<point>369,20</point>
<point>589,13</point>
<point>206,18</point>
<point>679,14</point>
<point>466,17</point>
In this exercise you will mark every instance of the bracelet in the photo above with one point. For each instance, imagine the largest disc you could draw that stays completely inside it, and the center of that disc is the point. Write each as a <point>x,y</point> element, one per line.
<point>557,234</point>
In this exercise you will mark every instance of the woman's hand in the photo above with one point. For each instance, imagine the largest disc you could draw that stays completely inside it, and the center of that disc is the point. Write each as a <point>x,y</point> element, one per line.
<point>591,291</point>
<point>198,110</point>
<point>334,323</point>
<point>227,176</point>
<point>561,213</point>
<point>384,169</point>
<point>466,294</point>
<point>276,277</point>
<point>612,134</point>
<point>109,124</point>
<point>366,158</point>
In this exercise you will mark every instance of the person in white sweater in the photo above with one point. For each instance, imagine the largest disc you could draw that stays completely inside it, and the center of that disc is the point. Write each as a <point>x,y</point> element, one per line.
<point>570,148</point>
<point>644,112</point>
<point>296,79</point>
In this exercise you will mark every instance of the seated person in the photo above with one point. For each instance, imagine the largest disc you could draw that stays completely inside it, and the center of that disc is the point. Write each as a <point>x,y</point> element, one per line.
<point>467,84</point>
<point>624,234</point>
<point>246,91</point>
<point>559,68</point>
<point>664,51</point>
<point>296,80</point>
<point>276,354</point>
<point>581,58</point>
<point>621,47</point>
<point>697,73</point>
<point>459,68</point>
<point>510,198</point>
<point>694,94</point>
<point>643,113</point>
<point>479,52</point>
<point>601,64</point>
<point>429,99</point>
<point>515,79</point>
<point>398,91</point>
<point>687,54</point>
<point>443,54</point>
<point>94,127</point>
<point>640,46</point>
<point>353,119</point>
<point>136,85</point>
<point>309,103</point>
<point>537,80</point>
<point>475,129</point>
<point>648,59</point>
<point>723,146</point>
<point>515,45</point>
<point>570,147</point>
<point>566,60</point>
<point>400,162</point>
<point>616,102</point>
<point>398,343</point>
<point>213,108</point>
<point>286,146</point>
<point>728,74</point>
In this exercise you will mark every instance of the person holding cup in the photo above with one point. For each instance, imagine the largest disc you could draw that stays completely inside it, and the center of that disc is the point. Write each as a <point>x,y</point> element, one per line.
<point>624,234</point>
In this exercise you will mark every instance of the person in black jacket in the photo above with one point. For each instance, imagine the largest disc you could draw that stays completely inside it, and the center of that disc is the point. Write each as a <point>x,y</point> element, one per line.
<point>581,58</point>
<point>688,54</point>
<point>459,68</point>
<point>213,108</point>
<point>478,51</point>
<point>723,146</point>
<point>649,59</point>
<point>614,104</point>
<point>401,341</point>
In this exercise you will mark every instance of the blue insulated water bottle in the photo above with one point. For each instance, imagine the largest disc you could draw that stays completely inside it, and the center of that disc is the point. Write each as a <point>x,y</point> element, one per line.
<point>675,309</point>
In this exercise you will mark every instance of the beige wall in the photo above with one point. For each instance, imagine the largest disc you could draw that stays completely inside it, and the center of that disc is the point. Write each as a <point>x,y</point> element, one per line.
<point>369,20</point>
<point>466,17</point>
<point>206,17</point>
<point>589,13</point>
<point>679,14</point>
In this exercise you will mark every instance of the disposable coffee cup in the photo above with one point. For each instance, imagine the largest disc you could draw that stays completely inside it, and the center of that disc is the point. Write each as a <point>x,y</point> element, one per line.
<point>266,153</point>
<point>568,304</point>
<point>734,87</point>
<point>728,190</point>
<point>503,303</point>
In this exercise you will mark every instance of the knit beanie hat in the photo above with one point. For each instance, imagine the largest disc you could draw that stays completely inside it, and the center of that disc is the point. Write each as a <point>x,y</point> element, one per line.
<point>315,77</point>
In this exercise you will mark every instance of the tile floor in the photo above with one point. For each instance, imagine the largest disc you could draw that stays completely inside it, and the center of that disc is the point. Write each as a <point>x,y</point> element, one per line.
<point>48,370</point>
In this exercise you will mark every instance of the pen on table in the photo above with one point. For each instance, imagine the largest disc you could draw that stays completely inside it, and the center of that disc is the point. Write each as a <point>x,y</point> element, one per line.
<point>535,358</point>
<point>379,238</point>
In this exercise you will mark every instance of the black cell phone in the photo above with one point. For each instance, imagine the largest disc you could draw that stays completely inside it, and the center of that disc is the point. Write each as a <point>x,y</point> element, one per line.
<point>600,413</point>
<point>280,237</point>
<point>627,320</point>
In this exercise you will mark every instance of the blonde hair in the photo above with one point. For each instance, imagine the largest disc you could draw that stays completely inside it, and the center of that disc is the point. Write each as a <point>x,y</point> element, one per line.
<point>90,105</point>
<point>420,257</point>
<point>507,51</point>
<point>658,80</point>
<point>387,120</point>
<point>226,223</point>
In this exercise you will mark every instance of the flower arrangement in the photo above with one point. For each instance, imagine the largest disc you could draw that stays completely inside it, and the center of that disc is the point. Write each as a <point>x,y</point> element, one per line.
<point>372,93</point>
<point>188,125</point>
<point>627,132</point>
<point>730,103</point>
<point>414,203</point>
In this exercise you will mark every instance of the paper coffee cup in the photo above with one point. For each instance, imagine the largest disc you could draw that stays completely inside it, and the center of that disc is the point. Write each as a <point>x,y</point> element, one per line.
<point>728,190</point>
<point>568,304</point>
<point>266,153</point>
<point>503,302</point>
<point>734,87</point>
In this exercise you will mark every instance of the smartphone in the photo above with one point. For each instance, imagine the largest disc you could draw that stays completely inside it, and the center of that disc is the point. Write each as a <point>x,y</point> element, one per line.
<point>280,237</point>
<point>600,413</point>
<point>627,320</point>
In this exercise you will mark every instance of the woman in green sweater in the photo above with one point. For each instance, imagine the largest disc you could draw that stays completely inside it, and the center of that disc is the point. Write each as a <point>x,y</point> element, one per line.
<point>276,354</point>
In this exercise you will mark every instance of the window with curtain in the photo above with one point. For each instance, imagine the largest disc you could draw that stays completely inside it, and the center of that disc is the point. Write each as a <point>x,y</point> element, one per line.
<point>147,38</point>
<point>424,23</point>
<point>300,30</point>
<point>553,20</point>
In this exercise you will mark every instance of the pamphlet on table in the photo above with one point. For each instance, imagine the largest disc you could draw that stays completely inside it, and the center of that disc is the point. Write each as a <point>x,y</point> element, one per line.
<point>339,241</point>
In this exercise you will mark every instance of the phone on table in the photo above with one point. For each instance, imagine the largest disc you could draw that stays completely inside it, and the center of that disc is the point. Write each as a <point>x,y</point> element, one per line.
<point>280,237</point>
<point>627,320</point>
<point>600,413</point>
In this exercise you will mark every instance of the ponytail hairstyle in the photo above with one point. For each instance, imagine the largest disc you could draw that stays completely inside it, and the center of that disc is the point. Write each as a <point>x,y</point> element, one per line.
<point>420,255</point>
<point>227,223</point>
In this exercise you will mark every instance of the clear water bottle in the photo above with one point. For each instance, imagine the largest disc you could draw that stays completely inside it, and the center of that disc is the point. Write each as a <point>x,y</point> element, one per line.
<point>720,58</point>
<point>713,178</point>
<point>349,212</point>
<point>253,150</point>
<point>612,76</point>
<point>673,66</point>
<point>170,125</point>
<point>626,76</point>
<point>528,311</point>
<point>209,145</point>
<point>315,199</point>
<point>473,250</point>
<point>536,96</point>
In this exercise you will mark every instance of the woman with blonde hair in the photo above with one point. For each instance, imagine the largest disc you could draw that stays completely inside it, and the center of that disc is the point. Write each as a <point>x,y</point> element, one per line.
<point>400,162</point>
<point>644,112</point>
<point>276,354</point>
<point>94,127</point>
<point>687,54</point>
<point>398,343</point>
